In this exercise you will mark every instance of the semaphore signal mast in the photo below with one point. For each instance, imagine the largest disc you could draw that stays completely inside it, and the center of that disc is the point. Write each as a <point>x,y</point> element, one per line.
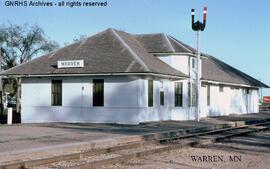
<point>198,27</point>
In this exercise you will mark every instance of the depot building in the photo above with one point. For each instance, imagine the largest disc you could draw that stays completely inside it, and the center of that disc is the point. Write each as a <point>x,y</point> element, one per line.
<point>118,77</point>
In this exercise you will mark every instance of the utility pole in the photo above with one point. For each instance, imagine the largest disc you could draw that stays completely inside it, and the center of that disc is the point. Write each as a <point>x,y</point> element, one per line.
<point>198,27</point>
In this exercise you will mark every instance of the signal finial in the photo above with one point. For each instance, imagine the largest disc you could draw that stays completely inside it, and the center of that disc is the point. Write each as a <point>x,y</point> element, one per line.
<point>192,12</point>
<point>204,13</point>
<point>198,26</point>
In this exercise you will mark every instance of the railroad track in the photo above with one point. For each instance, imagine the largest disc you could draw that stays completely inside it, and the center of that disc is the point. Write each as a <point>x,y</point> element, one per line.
<point>117,154</point>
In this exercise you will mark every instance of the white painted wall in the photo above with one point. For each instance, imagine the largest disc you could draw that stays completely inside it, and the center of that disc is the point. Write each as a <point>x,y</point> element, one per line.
<point>126,99</point>
<point>230,101</point>
<point>253,101</point>
<point>179,62</point>
<point>157,112</point>
<point>121,101</point>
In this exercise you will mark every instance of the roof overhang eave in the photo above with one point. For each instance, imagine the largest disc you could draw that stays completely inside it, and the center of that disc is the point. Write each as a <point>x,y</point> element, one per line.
<point>99,74</point>
<point>230,84</point>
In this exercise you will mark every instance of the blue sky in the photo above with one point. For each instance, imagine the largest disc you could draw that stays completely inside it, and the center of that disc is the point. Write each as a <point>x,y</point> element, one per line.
<point>237,31</point>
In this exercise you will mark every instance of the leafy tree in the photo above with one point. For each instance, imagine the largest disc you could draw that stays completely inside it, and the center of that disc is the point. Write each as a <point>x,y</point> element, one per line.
<point>19,44</point>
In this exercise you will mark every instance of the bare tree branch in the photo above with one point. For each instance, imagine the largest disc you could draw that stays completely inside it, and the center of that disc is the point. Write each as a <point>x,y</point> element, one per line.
<point>23,42</point>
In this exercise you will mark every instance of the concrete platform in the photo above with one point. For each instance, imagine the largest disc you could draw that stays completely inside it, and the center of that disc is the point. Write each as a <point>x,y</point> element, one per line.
<point>33,141</point>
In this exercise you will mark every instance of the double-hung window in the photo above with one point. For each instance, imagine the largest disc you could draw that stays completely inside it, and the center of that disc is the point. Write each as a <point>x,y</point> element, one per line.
<point>150,93</point>
<point>192,94</point>
<point>208,95</point>
<point>98,92</point>
<point>178,94</point>
<point>161,96</point>
<point>56,93</point>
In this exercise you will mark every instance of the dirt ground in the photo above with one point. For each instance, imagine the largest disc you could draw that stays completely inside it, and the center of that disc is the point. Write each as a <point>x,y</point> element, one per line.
<point>246,152</point>
<point>28,141</point>
<point>31,136</point>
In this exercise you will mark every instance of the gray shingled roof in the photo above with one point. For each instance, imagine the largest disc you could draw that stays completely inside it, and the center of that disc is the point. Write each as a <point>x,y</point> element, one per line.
<point>113,51</point>
<point>212,68</point>
<point>162,43</point>
<point>110,51</point>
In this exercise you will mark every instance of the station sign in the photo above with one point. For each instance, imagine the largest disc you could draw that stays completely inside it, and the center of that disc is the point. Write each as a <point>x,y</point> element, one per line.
<point>70,63</point>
